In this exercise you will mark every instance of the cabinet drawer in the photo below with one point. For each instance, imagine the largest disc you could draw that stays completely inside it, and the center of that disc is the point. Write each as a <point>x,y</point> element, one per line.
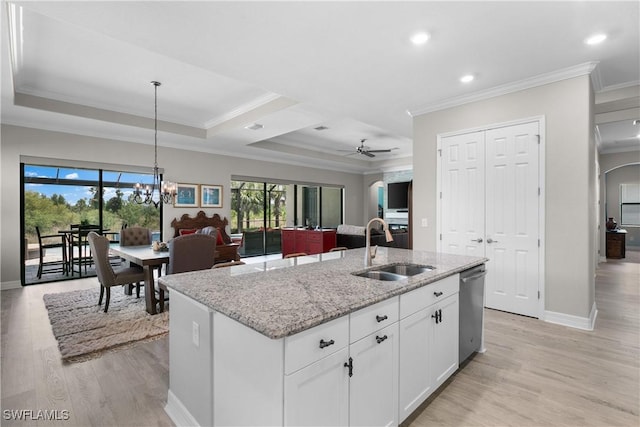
<point>427,295</point>
<point>314,236</point>
<point>373,318</point>
<point>305,348</point>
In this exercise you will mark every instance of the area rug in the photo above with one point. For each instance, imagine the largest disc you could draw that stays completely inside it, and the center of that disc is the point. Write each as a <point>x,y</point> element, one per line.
<point>85,331</point>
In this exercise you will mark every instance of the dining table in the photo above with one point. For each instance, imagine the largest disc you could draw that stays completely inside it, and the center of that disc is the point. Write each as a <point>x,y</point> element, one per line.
<point>146,257</point>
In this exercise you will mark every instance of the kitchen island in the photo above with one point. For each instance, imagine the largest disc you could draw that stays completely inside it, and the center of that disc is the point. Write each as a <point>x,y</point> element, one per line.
<point>306,341</point>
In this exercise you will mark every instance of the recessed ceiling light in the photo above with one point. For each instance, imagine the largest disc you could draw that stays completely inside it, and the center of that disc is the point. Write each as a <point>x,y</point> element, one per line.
<point>420,38</point>
<point>596,39</point>
<point>255,126</point>
<point>466,79</point>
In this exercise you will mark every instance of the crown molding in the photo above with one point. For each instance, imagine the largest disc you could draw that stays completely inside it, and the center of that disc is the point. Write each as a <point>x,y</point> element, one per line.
<point>243,109</point>
<point>539,80</point>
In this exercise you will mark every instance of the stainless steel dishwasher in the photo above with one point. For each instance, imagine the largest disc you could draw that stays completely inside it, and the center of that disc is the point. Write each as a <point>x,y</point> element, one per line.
<point>471,311</point>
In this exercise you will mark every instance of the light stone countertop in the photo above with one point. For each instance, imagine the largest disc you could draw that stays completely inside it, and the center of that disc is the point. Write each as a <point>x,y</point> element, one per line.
<point>283,297</point>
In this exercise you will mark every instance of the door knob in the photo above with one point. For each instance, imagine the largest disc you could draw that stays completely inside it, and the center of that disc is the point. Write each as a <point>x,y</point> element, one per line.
<point>479,240</point>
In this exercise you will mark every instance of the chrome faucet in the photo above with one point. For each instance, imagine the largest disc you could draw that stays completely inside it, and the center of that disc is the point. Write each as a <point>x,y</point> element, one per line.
<point>368,255</point>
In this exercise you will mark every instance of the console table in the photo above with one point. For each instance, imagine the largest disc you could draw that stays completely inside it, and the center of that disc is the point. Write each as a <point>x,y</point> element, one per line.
<point>616,244</point>
<point>310,242</point>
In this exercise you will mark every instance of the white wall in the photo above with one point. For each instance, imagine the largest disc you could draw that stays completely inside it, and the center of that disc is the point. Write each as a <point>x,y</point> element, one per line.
<point>628,174</point>
<point>567,108</point>
<point>179,165</point>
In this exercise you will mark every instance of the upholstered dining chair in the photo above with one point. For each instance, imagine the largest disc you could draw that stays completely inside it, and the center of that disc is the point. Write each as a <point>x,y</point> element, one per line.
<point>135,236</point>
<point>107,276</point>
<point>191,252</point>
<point>58,266</point>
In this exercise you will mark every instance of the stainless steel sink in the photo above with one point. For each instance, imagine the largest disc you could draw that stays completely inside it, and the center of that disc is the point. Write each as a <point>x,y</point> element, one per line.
<point>394,272</point>
<point>405,269</point>
<point>381,275</point>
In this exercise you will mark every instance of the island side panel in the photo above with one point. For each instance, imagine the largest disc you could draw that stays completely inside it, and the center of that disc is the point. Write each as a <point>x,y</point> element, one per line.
<point>248,371</point>
<point>190,356</point>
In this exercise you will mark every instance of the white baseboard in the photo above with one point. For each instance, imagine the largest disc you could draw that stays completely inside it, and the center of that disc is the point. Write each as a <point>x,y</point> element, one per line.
<point>14,284</point>
<point>178,412</point>
<point>585,323</point>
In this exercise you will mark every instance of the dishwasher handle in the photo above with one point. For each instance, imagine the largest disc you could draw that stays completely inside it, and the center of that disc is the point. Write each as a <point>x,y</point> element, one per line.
<point>480,274</point>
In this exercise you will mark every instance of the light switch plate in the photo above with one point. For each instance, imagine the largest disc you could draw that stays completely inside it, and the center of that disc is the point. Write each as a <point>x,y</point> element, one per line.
<point>196,334</point>
<point>425,223</point>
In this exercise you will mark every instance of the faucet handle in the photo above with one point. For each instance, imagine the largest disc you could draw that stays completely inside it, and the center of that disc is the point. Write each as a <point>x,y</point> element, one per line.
<point>373,251</point>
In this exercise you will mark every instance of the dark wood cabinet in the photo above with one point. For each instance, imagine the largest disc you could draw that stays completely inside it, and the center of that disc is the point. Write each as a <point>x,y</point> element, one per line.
<point>616,244</point>
<point>307,241</point>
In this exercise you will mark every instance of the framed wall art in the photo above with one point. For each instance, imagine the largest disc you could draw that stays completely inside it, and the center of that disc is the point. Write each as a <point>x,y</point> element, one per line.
<point>210,196</point>
<point>186,196</point>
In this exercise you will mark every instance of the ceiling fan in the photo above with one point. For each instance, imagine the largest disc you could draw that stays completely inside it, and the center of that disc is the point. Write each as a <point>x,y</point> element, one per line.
<point>363,149</point>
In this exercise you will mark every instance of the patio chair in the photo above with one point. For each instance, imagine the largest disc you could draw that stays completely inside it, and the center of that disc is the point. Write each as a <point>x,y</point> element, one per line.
<point>107,276</point>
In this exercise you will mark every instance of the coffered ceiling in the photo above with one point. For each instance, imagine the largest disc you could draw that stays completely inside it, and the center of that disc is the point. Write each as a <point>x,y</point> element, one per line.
<point>312,78</point>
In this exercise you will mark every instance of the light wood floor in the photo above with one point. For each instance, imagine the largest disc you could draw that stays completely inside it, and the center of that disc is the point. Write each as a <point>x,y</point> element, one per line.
<point>533,374</point>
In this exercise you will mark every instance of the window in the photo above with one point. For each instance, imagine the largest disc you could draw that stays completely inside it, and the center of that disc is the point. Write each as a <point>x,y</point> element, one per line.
<point>630,204</point>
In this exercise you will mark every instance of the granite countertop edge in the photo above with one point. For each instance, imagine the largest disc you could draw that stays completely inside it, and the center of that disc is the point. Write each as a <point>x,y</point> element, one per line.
<point>225,293</point>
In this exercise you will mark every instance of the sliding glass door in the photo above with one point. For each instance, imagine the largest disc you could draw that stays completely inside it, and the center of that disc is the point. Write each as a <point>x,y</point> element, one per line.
<point>54,199</point>
<point>260,209</point>
<point>258,212</point>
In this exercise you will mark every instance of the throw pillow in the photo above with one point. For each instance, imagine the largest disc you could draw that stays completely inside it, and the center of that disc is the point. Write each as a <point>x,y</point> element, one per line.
<point>185,231</point>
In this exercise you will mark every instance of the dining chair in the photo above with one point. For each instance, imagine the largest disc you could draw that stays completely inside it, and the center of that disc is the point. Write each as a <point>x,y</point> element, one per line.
<point>107,276</point>
<point>135,236</point>
<point>191,252</point>
<point>58,266</point>
<point>294,255</point>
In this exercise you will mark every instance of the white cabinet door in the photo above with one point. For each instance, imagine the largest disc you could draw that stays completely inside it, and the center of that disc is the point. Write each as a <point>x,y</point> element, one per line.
<point>319,393</point>
<point>415,359</point>
<point>444,340</point>
<point>373,393</point>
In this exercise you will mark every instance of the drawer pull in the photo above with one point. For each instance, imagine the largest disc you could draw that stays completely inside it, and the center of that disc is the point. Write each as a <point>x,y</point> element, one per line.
<point>324,343</point>
<point>380,339</point>
<point>438,293</point>
<point>381,318</point>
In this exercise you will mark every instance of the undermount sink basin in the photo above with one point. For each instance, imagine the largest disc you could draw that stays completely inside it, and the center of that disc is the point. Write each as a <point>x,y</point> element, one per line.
<point>381,275</point>
<point>394,272</point>
<point>405,269</point>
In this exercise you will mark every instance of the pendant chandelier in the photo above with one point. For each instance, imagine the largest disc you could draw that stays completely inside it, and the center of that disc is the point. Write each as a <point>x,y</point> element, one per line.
<point>166,190</point>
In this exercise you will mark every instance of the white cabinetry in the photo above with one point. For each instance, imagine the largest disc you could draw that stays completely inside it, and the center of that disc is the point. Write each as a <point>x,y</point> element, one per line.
<point>330,383</point>
<point>428,341</point>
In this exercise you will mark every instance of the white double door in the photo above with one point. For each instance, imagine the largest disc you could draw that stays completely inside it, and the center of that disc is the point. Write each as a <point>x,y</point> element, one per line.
<point>489,207</point>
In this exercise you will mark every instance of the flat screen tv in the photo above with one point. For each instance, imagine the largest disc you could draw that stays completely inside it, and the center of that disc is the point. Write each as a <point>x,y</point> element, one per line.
<point>398,195</point>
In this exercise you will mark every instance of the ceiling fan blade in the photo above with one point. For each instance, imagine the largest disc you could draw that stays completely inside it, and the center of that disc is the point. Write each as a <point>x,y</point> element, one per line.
<point>379,151</point>
<point>367,153</point>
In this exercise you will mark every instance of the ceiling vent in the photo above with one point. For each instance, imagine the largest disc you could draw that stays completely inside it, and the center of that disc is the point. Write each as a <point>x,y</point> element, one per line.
<point>321,128</point>
<point>255,126</point>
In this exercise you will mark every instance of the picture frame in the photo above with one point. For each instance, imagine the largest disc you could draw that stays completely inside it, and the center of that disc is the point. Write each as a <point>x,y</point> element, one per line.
<point>210,196</point>
<point>187,196</point>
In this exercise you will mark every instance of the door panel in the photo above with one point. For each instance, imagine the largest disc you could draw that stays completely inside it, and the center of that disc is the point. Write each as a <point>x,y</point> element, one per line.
<point>489,183</point>
<point>512,218</point>
<point>463,194</point>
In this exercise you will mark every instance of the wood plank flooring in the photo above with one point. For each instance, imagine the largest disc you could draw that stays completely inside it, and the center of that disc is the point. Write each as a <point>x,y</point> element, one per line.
<point>533,373</point>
